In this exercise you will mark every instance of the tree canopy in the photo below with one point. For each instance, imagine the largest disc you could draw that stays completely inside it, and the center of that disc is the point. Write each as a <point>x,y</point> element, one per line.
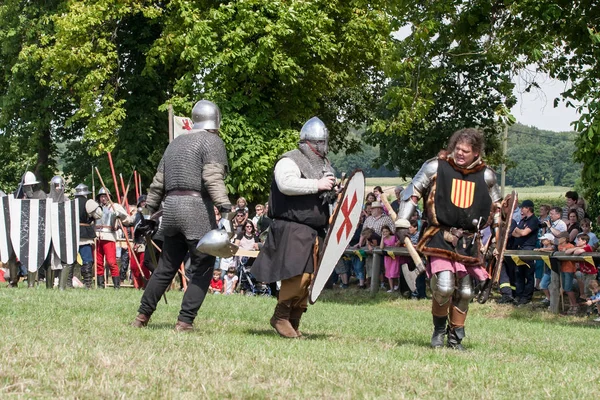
<point>79,78</point>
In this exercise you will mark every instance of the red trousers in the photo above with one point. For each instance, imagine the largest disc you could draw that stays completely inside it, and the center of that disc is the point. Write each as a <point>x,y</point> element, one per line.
<point>106,248</point>
<point>138,282</point>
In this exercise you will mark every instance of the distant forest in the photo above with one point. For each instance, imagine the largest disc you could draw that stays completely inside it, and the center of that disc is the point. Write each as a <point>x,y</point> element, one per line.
<point>536,158</point>
<point>541,158</point>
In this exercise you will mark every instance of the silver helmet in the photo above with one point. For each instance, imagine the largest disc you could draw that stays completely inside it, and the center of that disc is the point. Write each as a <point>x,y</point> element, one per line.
<point>57,182</point>
<point>29,178</point>
<point>101,192</point>
<point>216,243</point>
<point>206,115</point>
<point>82,190</point>
<point>315,132</point>
<point>57,189</point>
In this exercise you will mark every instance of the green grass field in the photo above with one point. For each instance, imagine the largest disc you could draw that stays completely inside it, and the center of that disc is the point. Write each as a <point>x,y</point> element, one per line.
<point>78,344</point>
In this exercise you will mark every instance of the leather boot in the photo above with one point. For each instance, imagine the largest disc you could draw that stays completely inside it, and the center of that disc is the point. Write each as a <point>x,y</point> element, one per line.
<point>87,275</point>
<point>455,337</point>
<point>295,316</point>
<point>281,320</point>
<point>31,279</point>
<point>181,326</point>
<point>140,321</point>
<point>456,328</point>
<point>439,331</point>
<point>100,280</point>
<point>116,282</point>
<point>64,277</point>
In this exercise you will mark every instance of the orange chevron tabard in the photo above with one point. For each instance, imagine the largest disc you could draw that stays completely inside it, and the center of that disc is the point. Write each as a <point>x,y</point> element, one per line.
<point>463,193</point>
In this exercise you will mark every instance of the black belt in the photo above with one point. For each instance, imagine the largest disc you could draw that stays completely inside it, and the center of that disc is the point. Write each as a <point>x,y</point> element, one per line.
<point>193,193</point>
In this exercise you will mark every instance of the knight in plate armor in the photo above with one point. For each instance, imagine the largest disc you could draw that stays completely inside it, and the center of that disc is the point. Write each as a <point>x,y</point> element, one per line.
<point>461,197</point>
<point>106,231</point>
<point>188,182</point>
<point>300,215</point>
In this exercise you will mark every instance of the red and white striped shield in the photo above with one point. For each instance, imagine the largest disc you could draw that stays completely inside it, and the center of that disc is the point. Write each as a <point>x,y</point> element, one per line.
<point>341,230</point>
<point>6,249</point>
<point>30,231</point>
<point>65,230</point>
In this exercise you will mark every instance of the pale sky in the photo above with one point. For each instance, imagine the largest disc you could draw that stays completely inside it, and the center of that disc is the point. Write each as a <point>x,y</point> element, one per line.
<point>536,108</point>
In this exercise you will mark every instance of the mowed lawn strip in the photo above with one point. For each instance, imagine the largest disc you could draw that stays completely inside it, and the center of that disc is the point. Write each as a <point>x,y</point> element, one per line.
<point>78,344</point>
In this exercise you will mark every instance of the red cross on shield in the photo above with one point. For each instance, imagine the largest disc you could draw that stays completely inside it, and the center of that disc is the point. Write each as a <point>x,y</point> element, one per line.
<point>346,210</point>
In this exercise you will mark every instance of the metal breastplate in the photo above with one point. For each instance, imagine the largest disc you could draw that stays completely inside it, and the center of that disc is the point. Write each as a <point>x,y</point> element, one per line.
<point>107,222</point>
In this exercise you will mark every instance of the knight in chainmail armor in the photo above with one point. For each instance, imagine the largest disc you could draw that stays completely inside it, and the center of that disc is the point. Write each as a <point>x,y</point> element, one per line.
<point>29,188</point>
<point>299,208</point>
<point>89,211</point>
<point>55,266</point>
<point>461,197</point>
<point>188,182</point>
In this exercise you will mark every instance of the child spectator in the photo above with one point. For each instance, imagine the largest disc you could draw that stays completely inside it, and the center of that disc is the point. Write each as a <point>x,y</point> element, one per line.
<point>391,263</point>
<point>370,238</point>
<point>567,272</point>
<point>587,271</point>
<point>421,284</point>
<point>216,284</point>
<point>586,226</point>
<point>595,298</point>
<point>547,242</point>
<point>242,204</point>
<point>230,280</point>
<point>370,197</point>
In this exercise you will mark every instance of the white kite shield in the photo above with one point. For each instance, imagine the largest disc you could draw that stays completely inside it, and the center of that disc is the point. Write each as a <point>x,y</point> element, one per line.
<point>65,230</point>
<point>30,231</point>
<point>344,223</point>
<point>6,249</point>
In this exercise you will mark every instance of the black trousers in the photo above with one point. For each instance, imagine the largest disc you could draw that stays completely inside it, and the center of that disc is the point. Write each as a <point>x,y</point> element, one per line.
<point>174,251</point>
<point>525,280</point>
<point>507,280</point>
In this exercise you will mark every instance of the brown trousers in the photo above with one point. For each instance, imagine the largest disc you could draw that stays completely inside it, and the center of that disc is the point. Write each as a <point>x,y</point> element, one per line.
<point>294,291</point>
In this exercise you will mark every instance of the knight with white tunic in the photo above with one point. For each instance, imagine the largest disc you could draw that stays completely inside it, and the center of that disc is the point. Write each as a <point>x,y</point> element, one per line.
<point>300,215</point>
<point>106,231</point>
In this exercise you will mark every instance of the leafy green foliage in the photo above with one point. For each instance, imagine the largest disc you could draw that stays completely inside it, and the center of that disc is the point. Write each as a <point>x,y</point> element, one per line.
<point>442,78</point>
<point>270,65</point>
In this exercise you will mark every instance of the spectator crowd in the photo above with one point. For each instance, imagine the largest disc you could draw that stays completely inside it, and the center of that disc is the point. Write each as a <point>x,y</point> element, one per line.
<point>546,229</point>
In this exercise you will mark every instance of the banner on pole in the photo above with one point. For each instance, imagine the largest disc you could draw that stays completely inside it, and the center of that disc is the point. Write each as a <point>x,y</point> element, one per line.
<point>181,125</point>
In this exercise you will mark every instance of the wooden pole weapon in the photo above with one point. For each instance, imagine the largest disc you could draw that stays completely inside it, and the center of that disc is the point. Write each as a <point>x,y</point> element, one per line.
<point>137,190</point>
<point>114,176</point>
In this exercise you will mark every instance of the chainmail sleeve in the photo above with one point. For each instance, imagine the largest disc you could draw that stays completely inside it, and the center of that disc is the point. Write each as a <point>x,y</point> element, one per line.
<point>156,192</point>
